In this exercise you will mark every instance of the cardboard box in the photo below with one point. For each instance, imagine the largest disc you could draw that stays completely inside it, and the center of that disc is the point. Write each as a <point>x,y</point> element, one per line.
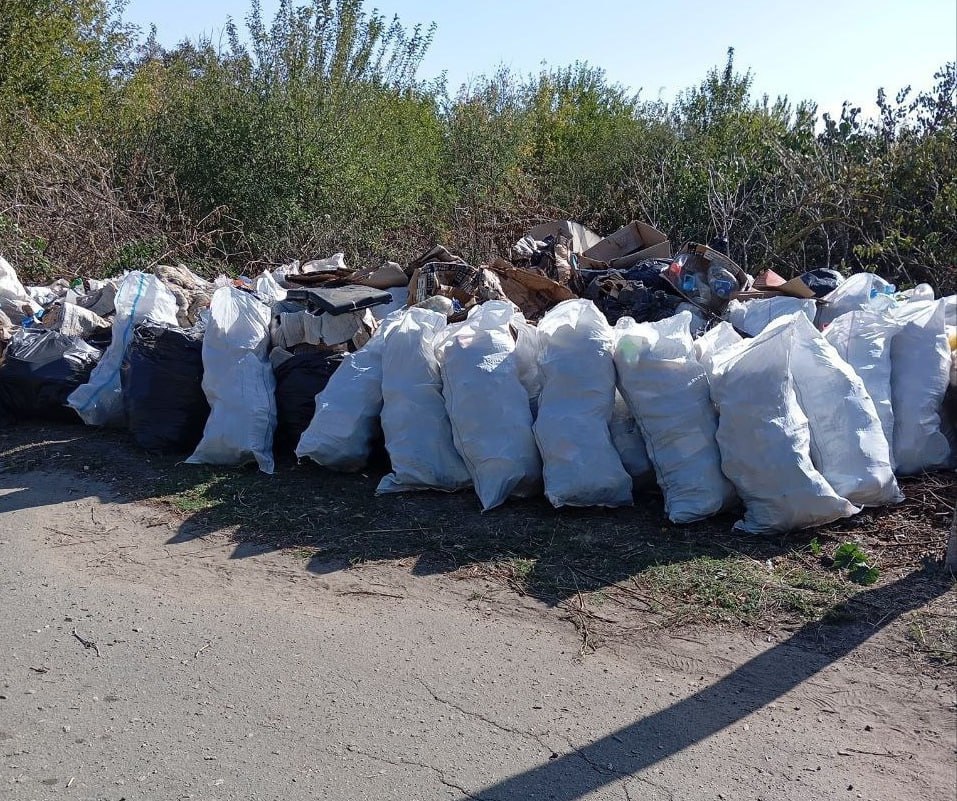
<point>533,293</point>
<point>636,242</point>
<point>701,257</point>
<point>581,237</point>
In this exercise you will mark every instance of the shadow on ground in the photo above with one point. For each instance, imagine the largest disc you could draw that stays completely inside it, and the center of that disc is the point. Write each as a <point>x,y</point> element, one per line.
<point>335,521</point>
<point>624,754</point>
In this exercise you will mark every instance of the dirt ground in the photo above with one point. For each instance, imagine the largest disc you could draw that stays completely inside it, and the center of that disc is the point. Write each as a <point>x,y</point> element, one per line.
<point>177,632</point>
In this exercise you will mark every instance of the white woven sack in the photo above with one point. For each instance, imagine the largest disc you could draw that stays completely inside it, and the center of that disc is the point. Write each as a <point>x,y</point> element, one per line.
<point>418,434</point>
<point>753,316</point>
<point>667,391</point>
<point>765,440</point>
<point>855,294</point>
<point>848,445</point>
<point>139,297</point>
<point>863,339</point>
<point>630,444</point>
<point>346,421</point>
<point>581,465</point>
<point>713,341</point>
<point>920,363</point>
<point>488,406</point>
<point>238,383</point>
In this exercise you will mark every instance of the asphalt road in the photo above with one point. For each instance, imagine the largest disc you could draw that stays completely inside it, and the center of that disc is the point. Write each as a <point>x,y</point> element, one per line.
<point>131,668</point>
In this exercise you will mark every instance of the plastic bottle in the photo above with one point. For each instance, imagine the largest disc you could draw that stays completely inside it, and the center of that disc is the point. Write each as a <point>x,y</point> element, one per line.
<point>722,281</point>
<point>702,292</point>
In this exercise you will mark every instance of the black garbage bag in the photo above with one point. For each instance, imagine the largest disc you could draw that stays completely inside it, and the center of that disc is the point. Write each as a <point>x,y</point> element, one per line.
<point>39,370</point>
<point>163,397</point>
<point>822,281</point>
<point>298,380</point>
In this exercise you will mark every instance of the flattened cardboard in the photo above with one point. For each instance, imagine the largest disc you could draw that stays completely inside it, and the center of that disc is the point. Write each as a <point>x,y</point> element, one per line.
<point>533,293</point>
<point>795,288</point>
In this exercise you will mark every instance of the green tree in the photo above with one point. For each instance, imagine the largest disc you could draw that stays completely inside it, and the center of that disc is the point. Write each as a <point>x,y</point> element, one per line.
<point>57,58</point>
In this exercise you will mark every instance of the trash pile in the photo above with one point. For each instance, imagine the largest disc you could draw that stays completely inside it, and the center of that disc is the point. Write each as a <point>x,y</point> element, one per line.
<point>583,368</point>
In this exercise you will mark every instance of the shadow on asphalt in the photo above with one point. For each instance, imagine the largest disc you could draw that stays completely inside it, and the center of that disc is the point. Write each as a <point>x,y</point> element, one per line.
<point>765,678</point>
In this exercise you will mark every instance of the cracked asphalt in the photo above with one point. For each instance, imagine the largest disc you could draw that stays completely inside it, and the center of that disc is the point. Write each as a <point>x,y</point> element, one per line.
<point>215,678</point>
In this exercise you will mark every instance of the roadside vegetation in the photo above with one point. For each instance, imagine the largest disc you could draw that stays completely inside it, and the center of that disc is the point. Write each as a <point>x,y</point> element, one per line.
<point>313,132</point>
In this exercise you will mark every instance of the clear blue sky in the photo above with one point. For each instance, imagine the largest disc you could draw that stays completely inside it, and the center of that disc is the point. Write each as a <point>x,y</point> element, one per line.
<point>825,50</point>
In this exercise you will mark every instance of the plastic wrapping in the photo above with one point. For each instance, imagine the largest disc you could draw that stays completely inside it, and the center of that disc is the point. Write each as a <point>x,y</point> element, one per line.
<point>140,297</point>
<point>161,378</point>
<point>38,371</point>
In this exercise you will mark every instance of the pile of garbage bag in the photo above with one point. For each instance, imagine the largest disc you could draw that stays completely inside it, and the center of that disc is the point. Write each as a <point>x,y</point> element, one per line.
<point>584,369</point>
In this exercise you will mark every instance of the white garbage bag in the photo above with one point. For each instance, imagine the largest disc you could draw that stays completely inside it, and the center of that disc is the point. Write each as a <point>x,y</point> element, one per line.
<point>667,391</point>
<point>848,445</point>
<point>488,406</point>
<point>418,434</point>
<point>581,465</point>
<point>238,382</point>
<point>860,291</point>
<point>753,316</point>
<point>630,444</point>
<point>138,298</point>
<point>713,342</point>
<point>346,420</point>
<point>268,288</point>
<point>863,339</point>
<point>528,352</point>
<point>920,363</point>
<point>765,439</point>
<point>15,299</point>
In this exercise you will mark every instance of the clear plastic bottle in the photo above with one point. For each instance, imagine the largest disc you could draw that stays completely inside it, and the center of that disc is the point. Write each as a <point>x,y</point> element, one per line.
<point>703,293</point>
<point>722,281</point>
<point>696,288</point>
